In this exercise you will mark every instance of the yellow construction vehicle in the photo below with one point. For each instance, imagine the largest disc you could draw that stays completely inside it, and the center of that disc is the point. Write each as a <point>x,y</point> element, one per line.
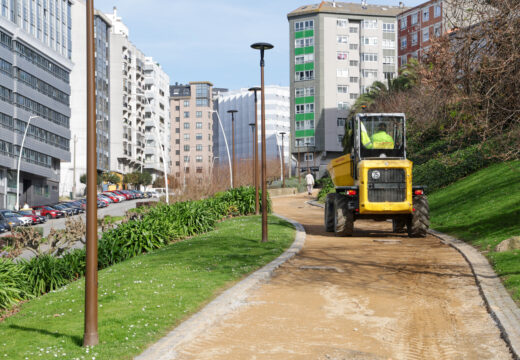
<point>374,181</point>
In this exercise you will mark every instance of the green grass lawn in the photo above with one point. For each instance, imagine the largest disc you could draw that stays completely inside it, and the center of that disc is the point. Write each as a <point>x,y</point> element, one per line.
<point>141,299</point>
<point>484,209</point>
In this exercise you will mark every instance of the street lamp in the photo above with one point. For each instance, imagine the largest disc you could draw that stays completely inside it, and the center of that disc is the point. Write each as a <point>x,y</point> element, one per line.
<point>227,148</point>
<point>253,130</point>
<point>255,90</point>
<point>262,47</point>
<point>299,166</point>
<point>232,112</point>
<point>283,160</point>
<point>17,206</point>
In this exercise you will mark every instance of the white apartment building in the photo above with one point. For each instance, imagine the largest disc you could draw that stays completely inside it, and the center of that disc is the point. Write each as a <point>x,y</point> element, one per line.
<point>277,120</point>
<point>130,103</point>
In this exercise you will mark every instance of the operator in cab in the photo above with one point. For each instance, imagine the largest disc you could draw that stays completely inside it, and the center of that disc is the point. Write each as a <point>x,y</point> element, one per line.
<point>380,139</point>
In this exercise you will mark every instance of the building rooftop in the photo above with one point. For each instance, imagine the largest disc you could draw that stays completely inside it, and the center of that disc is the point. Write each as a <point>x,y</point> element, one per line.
<point>347,8</point>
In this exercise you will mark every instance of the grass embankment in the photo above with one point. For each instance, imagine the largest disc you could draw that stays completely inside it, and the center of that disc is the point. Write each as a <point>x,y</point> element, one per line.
<point>141,299</point>
<point>483,209</point>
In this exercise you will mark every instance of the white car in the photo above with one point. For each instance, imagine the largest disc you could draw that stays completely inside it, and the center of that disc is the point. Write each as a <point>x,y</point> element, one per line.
<point>25,220</point>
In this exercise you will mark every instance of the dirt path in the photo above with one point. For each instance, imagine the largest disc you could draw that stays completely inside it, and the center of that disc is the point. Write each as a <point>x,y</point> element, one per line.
<point>376,295</point>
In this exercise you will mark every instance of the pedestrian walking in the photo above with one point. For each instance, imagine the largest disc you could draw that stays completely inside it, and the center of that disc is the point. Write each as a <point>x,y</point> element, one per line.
<point>310,182</point>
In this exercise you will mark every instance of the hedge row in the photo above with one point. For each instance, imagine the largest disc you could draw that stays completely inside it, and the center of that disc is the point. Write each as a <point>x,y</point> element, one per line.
<point>151,228</point>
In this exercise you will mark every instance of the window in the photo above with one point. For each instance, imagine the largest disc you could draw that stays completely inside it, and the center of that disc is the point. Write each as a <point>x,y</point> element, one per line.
<point>341,55</point>
<point>309,108</point>
<point>186,103</point>
<point>342,121</point>
<point>299,43</point>
<point>354,79</point>
<point>342,89</point>
<point>300,109</point>
<point>177,141</point>
<point>368,57</point>
<point>403,22</point>
<point>309,41</point>
<point>437,30</point>
<point>353,46</point>
<point>186,148</point>
<point>353,30</point>
<point>186,125</point>
<point>403,42</point>
<point>303,25</point>
<point>388,75</point>
<point>198,136</point>
<point>404,60</point>
<point>186,159</point>
<point>369,24</point>
<point>369,40</point>
<point>177,130</point>
<point>414,38</point>
<point>342,39</point>
<point>437,11</point>
<point>202,102</point>
<point>342,105</point>
<point>354,96</point>
<point>369,74</point>
<point>186,114</point>
<point>342,23</point>
<point>198,158</point>
<point>302,59</point>
<point>177,107</point>
<point>426,14</point>
<point>415,18</point>
<point>198,114</point>
<point>426,34</point>
<point>198,125</point>
<point>342,72</point>
<point>301,92</point>
<point>304,75</point>
<point>199,147</point>
<point>354,63</point>
<point>177,119</point>
<point>388,60</point>
<point>340,138</point>
<point>186,136</point>
<point>308,157</point>
<point>389,27</point>
<point>305,125</point>
<point>388,44</point>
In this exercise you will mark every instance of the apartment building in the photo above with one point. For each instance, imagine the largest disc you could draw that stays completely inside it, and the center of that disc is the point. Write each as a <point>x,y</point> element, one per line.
<point>71,171</point>
<point>191,109</point>
<point>337,51</point>
<point>417,27</point>
<point>132,94</point>
<point>35,66</point>
<point>277,120</point>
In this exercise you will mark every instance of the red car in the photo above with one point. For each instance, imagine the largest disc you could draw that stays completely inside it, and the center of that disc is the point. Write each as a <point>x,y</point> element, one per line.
<point>119,192</point>
<point>28,214</point>
<point>47,211</point>
<point>111,196</point>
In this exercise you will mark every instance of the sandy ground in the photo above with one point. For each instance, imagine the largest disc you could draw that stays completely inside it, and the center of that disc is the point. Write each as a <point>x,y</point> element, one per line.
<point>376,295</point>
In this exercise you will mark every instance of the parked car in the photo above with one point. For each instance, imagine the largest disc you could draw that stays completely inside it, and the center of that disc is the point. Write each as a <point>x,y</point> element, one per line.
<point>77,209</point>
<point>35,219</point>
<point>48,212</point>
<point>126,195</point>
<point>105,199</point>
<point>117,196</point>
<point>111,197</point>
<point>11,219</point>
<point>101,204</point>
<point>138,194</point>
<point>3,228</point>
<point>64,209</point>
<point>129,193</point>
<point>79,204</point>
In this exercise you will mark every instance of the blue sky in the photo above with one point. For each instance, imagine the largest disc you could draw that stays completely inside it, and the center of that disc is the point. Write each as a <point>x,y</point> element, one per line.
<point>197,40</point>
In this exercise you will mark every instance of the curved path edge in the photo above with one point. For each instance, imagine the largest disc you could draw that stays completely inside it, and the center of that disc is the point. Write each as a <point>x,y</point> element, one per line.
<point>499,303</point>
<point>225,303</point>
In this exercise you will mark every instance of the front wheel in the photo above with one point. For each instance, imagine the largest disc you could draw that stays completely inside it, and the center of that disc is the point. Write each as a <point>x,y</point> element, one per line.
<point>343,217</point>
<point>329,212</point>
<point>399,226</point>
<point>419,221</point>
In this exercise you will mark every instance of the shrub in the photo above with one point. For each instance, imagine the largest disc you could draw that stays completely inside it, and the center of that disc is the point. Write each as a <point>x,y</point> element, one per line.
<point>44,273</point>
<point>14,286</point>
<point>327,186</point>
<point>72,264</point>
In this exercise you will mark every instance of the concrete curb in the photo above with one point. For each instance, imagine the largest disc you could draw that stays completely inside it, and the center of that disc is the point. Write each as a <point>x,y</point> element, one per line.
<point>498,302</point>
<point>500,306</point>
<point>228,301</point>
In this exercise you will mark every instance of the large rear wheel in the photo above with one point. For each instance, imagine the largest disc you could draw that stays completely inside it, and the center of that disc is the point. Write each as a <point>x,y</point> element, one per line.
<point>344,218</point>
<point>329,212</point>
<point>419,221</point>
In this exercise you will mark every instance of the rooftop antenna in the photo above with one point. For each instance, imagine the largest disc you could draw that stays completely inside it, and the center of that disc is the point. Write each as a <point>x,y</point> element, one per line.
<point>364,4</point>
<point>401,4</point>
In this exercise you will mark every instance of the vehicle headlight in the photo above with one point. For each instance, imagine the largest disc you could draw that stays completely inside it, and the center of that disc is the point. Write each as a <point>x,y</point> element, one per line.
<point>376,174</point>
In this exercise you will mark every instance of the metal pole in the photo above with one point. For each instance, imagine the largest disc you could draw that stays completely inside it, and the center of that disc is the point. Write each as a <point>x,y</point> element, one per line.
<point>283,161</point>
<point>257,204</point>
<point>262,47</point>
<point>232,112</point>
<point>253,154</point>
<point>90,337</point>
<point>227,148</point>
<point>17,206</point>
<point>299,172</point>
<point>74,169</point>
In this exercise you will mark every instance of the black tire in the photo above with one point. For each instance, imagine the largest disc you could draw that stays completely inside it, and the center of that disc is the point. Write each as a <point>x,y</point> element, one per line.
<point>343,217</point>
<point>419,221</point>
<point>329,212</point>
<point>399,226</point>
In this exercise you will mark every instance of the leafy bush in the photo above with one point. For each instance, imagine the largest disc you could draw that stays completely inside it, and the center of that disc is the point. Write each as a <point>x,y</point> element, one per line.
<point>73,264</point>
<point>327,186</point>
<point>44,273</point>
<point>14,286</point>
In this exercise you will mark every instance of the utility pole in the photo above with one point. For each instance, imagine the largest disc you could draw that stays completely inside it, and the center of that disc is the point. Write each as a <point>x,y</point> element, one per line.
<point>283,161</point>
<point>74,170</point>
<point>232,112</point>
<point>299,172</point>
<point>257,205</point>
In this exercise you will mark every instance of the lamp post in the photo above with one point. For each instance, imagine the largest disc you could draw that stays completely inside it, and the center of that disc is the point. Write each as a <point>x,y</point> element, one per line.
<point>255,90</point>
<point>262,47</point>
<point>253,128</point>
<point>17,205</point>
<point>227,148</point>
<point>232,112</point>
<point>299,169</point>
<point>90,336</point>
<point>283,160</point>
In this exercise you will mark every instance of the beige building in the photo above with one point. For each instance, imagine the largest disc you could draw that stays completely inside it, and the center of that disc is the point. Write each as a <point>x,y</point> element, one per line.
<point>191,109</point>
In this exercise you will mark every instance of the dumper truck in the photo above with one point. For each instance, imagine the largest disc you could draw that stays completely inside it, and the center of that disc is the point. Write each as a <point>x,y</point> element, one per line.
<point>374,180</point>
